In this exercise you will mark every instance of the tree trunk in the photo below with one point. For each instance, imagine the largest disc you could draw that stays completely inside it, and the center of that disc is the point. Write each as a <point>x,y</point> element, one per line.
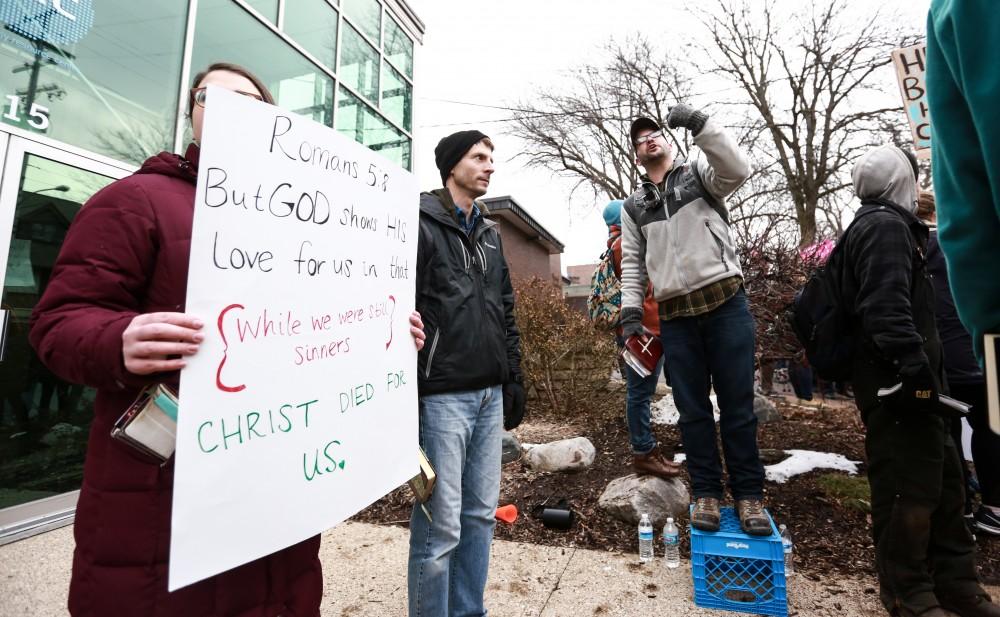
<point>807,226</point>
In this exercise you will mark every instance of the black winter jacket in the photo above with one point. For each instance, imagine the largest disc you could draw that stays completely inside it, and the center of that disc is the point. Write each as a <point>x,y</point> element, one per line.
<point>466,300</point>
<point>893,298</point>
<point>960,364</point>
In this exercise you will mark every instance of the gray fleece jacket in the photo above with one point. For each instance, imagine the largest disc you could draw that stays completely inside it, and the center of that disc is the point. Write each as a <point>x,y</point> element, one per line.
<point>683,243</point>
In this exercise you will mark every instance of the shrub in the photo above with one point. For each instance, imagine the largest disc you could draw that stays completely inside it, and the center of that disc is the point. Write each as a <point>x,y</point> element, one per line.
<point>773,272</point>
<point>564,359</point>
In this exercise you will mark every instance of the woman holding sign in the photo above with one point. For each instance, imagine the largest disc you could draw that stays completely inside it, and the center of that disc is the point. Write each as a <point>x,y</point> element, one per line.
<point>112,317</point>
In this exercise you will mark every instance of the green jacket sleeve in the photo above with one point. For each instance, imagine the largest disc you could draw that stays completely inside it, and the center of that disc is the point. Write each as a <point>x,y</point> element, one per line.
<point>963,91</point>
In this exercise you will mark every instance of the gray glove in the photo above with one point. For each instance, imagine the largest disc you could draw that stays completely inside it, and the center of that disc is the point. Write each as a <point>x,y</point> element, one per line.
<point>685,116</point>
<point>631,321</point>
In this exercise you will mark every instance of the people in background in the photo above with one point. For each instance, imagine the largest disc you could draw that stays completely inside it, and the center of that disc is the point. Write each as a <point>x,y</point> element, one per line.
<point>924,553</point>
<point>647,458</point>
<point>965,381</point>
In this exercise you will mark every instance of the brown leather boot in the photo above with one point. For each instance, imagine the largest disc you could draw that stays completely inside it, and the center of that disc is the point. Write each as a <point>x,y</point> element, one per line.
<point>705,515</point>
<point>753,520</point>
<point>655,464</point>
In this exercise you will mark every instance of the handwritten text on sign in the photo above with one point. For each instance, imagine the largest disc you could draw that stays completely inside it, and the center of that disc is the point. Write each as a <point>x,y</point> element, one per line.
<point>300,407</point>
<point>910,68</point>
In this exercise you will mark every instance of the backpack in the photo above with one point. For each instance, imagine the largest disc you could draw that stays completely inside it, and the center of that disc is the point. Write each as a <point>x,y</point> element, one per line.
<point>604,305</point>
<point>822,323</point>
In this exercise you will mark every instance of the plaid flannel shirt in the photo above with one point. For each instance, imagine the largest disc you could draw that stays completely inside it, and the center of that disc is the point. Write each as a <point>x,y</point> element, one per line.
<point>701,301</point>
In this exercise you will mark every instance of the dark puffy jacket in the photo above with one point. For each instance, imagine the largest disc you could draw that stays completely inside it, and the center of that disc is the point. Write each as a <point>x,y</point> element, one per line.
<point>466,300</point>
<point>960,363</point>
<point>127,253</point>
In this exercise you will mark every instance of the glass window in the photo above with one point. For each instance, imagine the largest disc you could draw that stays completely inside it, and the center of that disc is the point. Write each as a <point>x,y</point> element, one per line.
<point>267,8</point>
<point>364,125</point>
<point>225,32</point>
<point>99,75</point>
<point>397,97</point>
<point>398,47</point>
<point>313,25</point>
<point>366,15</point>
<point>45,420</point>
<point>359,64</point>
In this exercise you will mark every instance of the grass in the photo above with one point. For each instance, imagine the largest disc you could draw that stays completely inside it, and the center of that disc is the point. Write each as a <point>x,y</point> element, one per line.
<point>850,491</point>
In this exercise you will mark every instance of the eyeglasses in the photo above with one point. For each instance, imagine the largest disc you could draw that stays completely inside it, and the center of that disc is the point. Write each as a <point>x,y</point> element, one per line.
<point>641,140</point>
<point>198,95</point>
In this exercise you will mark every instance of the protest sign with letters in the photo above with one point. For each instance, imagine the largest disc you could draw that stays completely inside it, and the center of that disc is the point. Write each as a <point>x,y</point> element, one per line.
<point>300,408</point>
<point>910,69</point>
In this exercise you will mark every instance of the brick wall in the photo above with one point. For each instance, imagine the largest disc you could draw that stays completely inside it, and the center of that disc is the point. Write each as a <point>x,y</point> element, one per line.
<point>525,256</point>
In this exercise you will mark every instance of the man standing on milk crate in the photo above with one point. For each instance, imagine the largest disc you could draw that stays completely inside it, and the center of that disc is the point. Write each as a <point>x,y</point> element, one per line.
<point>675,231</point>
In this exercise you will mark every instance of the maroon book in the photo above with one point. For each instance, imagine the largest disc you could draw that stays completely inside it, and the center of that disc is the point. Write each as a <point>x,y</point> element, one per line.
<point>642,353</point>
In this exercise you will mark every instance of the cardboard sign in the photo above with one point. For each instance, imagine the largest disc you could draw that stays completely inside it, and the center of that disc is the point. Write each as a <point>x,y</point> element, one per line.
<point>910,68</point>
<point>300,407</point>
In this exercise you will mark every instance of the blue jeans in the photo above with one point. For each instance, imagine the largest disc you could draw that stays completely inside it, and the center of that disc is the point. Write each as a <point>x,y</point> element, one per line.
<point>640,393</point>
<point>717,345</point>
<point>802,380</point>
<point>449,558</point>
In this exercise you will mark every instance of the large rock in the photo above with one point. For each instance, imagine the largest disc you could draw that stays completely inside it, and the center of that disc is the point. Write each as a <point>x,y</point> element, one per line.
<point>628,498</point>
<point>765,409</point>
<point>770,456</point>
<point>510,447</point>
<point>61,433</point>
<point>564,455</point>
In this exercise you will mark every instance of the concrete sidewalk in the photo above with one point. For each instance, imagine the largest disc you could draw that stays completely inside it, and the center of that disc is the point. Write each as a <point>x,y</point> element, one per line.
<point>365,570</point>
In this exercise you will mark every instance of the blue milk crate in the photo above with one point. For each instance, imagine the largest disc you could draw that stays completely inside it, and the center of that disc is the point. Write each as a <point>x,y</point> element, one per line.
<point>733,571</point>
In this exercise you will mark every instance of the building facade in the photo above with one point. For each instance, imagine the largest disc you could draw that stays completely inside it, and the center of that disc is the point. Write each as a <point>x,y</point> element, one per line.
<point>576,285</point>
<point>91,88</point>
<point>530,250</point>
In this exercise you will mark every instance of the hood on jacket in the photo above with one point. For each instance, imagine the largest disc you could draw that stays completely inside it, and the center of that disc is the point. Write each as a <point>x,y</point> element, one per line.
<point>174,165</point>
<point>439,205</point>
<point>885,173</point>
<point>613,213</point>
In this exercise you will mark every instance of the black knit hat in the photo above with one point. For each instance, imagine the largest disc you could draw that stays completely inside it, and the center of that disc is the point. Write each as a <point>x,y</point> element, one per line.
<point>452,148</point>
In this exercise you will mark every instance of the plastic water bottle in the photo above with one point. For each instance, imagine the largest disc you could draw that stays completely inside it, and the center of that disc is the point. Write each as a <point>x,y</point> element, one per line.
<point>786,545</point>
<point>645,539</point>
<point>671,544</point>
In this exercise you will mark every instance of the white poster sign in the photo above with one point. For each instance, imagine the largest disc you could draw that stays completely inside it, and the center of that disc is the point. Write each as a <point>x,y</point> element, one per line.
<point>300,408</point>
<point>910,69</point>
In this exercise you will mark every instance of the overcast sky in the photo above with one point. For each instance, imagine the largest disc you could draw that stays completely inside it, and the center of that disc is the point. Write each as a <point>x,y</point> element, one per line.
<point>482,54</point>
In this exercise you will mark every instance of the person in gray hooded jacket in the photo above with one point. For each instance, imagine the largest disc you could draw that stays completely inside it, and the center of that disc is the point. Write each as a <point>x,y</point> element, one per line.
<point>675,235</point>
<point>924,552</point>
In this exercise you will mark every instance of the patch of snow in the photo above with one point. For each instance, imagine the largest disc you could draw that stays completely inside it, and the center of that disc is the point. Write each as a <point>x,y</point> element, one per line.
<point>804,461</point>
<point>665,412</point>
<point>799,462</point>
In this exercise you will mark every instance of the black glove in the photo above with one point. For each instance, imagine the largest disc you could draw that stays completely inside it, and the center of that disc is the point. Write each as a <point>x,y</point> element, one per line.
<point>684,115</point>
<point>631,321</point>
<point>513,405</point>
<point>920,390</point>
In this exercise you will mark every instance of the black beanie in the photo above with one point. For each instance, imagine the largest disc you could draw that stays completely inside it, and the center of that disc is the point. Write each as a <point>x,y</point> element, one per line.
<point>452,148</point>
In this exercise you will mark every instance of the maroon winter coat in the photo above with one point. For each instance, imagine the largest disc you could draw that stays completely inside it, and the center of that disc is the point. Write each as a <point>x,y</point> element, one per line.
<point>126,253</point>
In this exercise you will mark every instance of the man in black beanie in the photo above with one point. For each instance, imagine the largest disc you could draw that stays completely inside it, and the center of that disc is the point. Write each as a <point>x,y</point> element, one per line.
<point>469,380</point>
